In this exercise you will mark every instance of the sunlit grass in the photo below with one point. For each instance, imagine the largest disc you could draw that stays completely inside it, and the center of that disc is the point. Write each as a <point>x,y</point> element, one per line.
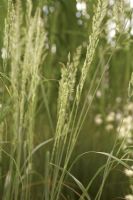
<point>66,134</point>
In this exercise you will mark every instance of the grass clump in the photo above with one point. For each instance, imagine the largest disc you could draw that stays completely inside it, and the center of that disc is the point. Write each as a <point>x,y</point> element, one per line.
<point>24,46</point>
<point>35,165</point>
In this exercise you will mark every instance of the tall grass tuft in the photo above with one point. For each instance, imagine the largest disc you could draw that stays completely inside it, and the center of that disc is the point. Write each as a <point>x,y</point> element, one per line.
<point>67,130</point>
<point>24,43</point>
